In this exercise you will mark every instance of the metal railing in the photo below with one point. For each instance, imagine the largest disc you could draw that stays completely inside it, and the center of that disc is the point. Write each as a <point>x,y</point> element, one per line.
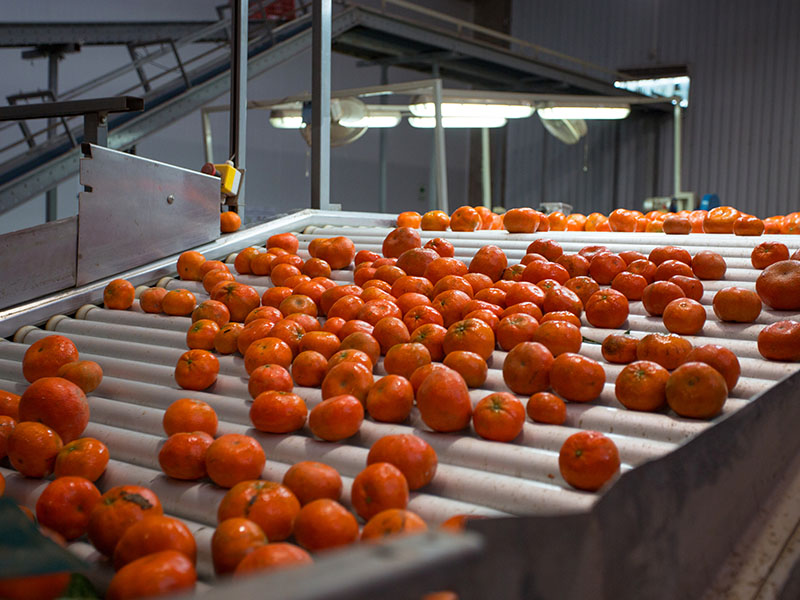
<point>179,70</point>
<point>461,26</point>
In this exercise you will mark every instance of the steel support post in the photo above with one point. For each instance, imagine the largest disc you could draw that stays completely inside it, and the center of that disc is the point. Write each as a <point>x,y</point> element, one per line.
<point>321,106</point>
<point>676,119</point>
<point>382,141</point>
<point>439,148</point>
<point>51,197</point>
<point>238,122</point>
<point>486,168</point>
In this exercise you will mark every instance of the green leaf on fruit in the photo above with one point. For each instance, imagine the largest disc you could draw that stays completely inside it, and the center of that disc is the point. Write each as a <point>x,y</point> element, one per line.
<point>80,587</point>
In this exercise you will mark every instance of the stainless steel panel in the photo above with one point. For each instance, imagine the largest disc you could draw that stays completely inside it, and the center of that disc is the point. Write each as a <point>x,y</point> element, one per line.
<point>140,210</point>
<point>70,300</point>
<point>37,261</point>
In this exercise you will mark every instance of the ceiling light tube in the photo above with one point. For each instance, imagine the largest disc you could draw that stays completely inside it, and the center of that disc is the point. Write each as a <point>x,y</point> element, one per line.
<point>584,112</point>
<point>380,120</point>
<point>286,119</point>
<point>458,122</point>
<point>425,108</point>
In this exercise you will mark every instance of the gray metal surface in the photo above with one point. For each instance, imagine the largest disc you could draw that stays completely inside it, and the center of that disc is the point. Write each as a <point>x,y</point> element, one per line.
<point>664,528</point>
<point>237,148</point>
<point>740,129</point>
<point>139,210</point>
<point>15,35</point>
<point>440,150</point>
<point>48,251</point>
<point>398,569</point>
<point>321,105</point>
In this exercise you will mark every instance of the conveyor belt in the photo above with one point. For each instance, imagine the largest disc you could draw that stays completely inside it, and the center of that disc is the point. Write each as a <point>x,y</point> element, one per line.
<point>138,351</point>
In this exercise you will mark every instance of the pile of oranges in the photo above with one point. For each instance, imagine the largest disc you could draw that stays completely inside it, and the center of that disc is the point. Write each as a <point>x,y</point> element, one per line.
<point>723,219</point>
<point>436,323</point>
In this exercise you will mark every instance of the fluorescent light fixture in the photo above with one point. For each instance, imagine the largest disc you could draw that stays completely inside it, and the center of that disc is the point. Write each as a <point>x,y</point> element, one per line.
<point>293,119</point>
<point>584,112</point>
<point>379,120</point>
<point>426,108</point>
<point>458,122</point>
<point>659,86</point>
<point>286,119</point>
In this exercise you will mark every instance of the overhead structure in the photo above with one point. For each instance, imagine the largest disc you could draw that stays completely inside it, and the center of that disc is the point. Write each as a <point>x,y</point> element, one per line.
<point>373,35</point>
<point>430,106</point>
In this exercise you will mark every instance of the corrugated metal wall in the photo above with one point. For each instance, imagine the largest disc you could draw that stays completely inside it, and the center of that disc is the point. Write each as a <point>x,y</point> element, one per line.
<point>741,131</point>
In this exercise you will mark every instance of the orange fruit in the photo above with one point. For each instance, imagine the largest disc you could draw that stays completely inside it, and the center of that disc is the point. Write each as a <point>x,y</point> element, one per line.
<point>165,572</point>
<point>233,458</point>
<point>696,390</point>
<point>378,487</point>
<point>311,480</point>
<point>779,285</point>
<point>336,418</point>
<point>323,524</point>
<point>588,459</point>
<point>779,341</point>
<point>737,304</point>
<point>719,357</point>
<point>684,316</point>
<point>526,368</point>
<point>46,356</point>
<point>86,374</point>
<point>619,348</point>
<point>65,505</point>
<point>272,506</point>
<point>272,556</point>
<point>32,448</point>
<point>544,407</point>
<point>498,417</point>
<point>196,370</point>
<point>641,386</point>
<point>415,458</point>
<point>278,412</point>
<point>390,399</point>
<point>119,508</point>
<point>229,221</point>
<point>577,378</point>
<point>83,457</point>
<point>187,415</point>
<point>443,401</point>
<point>392,521</point>
<point>183,455</point>
<point>58,403</point>
<point>154,533</point>
<point>233,540</point>
<point>669,351</point>
<point>189,265</point>
<point>119,294</point>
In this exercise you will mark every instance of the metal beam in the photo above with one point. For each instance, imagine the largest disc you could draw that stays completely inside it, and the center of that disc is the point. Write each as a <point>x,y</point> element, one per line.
<point>321,105</point>
<point>51,200</point>
<point>238,116</point>
<point>436,38</point>
<point>71,108</point>
<point>20,35</point>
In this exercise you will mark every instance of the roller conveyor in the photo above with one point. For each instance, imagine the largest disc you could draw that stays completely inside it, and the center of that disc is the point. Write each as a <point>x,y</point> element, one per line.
<point>138,352</point>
